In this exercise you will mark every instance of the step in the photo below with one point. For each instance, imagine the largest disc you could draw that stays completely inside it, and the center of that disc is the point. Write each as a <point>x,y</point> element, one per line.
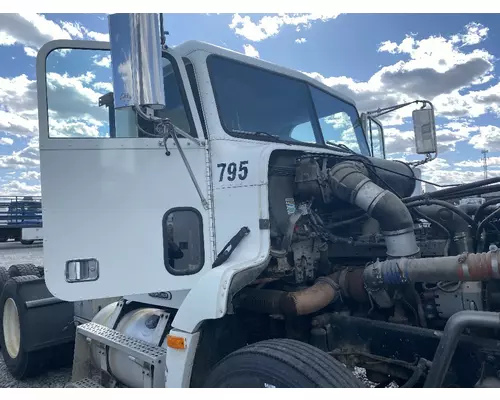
<point>139,349</point>
<point>84,383</point>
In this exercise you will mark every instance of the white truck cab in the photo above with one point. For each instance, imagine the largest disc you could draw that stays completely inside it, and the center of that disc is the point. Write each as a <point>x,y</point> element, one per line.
<point>177,177</point>
<point>126,192</point>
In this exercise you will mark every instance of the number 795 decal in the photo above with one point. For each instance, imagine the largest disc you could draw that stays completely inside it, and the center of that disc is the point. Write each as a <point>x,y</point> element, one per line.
<point>232,170</point>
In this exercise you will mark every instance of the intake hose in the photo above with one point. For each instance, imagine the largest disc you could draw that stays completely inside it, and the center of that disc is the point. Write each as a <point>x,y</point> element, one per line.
<point>350,182</point>
<point>465,267</point>
<point>453,220</point>
<point>302,302</point>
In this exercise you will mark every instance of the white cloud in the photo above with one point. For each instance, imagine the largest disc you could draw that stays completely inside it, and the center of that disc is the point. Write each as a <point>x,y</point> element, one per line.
<point>103,86</point>
<point>6,141</point>
<point>70,97</point>
<point>488,138</point>
<point>103,61</point>
<point>441,172</point>
<point>6,40</point>
<point>17,125</point>
<point>435,68</point>
<point>74,29</point>
<point>100,37</point>
<point>456,176</point>
<point>18,94</point>
<point>30,175</point>
<point>29,29</point>
<point>73,106</point>
<point>250,50</point>
<point>74,128</point>
<point>269,26</point>
<point>30,52</point>
<point>300,40</point>
<point>27,157</point>
<point>405,46</point>
<point>16,188</point>
<point>492,161</point>
<point>397,141</point>
<point>475,33</point>
<point>33,30</point>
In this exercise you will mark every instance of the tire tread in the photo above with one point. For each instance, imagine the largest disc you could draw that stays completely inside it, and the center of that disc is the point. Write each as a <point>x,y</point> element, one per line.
<point>317,366</point>
<point>4,277</point>
<point>17,270</point>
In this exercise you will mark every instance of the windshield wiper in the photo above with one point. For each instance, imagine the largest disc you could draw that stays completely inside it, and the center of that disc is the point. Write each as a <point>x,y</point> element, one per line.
<point>261,133</point>
<point>340,146</point>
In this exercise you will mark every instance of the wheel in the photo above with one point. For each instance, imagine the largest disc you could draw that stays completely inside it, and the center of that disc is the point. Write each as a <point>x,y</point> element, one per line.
<point>20,363</point>
<point>4,277</point>
<point>27,242</point>
<point>281,363</point>
<point>23,270</point>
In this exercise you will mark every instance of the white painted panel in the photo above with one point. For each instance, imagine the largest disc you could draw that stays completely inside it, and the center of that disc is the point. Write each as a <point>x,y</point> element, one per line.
<point>109,205</point>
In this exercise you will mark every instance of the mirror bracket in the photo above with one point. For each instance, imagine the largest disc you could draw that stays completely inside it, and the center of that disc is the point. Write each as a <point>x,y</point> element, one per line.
<point>366,123</point>
<point>424,126</point>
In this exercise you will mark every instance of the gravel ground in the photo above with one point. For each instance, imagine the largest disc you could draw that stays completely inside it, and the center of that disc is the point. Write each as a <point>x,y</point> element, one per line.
<point>16,253</point>
<point>51,379</point>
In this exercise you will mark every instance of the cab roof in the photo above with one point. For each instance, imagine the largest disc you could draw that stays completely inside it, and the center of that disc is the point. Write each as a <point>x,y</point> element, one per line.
<point>191,46</point>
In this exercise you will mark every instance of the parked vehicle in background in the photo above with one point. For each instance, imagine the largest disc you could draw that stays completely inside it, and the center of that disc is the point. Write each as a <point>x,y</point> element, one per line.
<point>21,219</point>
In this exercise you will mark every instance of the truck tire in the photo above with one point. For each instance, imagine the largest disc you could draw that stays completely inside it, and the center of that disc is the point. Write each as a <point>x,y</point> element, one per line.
<point>20,363</point>
<point>23,270</point>
<point>281,363</point>
<point>4,277</point>
<point>27,242</point>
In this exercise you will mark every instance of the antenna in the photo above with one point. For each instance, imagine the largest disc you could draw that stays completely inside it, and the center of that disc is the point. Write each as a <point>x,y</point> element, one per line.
<point>485,162</point>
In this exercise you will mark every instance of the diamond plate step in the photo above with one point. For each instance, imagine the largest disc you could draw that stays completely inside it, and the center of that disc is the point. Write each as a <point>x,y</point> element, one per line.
<point>84,383</point>
<point>136,348</point>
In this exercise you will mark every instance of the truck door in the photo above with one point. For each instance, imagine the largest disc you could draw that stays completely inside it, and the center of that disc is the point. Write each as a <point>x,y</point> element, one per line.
<point>120,216</point>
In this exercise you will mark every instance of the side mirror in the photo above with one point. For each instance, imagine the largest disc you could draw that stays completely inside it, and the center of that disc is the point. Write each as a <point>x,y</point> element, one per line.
<point>424,127</point>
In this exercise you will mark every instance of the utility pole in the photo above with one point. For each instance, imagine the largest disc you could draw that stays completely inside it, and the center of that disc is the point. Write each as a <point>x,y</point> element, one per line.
<point>485,163</point>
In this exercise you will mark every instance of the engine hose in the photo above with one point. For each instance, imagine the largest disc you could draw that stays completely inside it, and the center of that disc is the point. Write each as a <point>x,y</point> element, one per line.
<point>442,227</point>
<point>454,190</point>
<point>483,223</point>
<point>302,302</point>
<point>465,267</point>
<point>447,205</point>
<point>350,182</point>
<point>465,193</point>
<point>417,374</point>
<point>483,206</point>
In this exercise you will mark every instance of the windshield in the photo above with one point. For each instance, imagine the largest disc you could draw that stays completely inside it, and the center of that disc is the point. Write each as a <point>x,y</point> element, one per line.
<point>252,100</point>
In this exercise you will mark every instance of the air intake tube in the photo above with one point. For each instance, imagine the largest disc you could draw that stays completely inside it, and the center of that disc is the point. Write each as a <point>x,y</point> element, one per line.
<point>350,182</point>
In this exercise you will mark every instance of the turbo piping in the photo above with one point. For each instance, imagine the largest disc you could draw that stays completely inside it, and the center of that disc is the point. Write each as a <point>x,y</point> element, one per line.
<point>302,302</point>
<point>350,182</point>
<point>465,267</point>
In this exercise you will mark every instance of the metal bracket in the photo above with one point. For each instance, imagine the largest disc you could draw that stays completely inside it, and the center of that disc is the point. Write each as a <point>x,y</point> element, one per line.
<point>159,332</point>
<point>81,358</point>
<point>204,202</point>
<point>117,312</point>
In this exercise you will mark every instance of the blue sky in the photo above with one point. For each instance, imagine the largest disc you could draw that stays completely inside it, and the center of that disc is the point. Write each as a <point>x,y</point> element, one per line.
<point>377,59</point>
